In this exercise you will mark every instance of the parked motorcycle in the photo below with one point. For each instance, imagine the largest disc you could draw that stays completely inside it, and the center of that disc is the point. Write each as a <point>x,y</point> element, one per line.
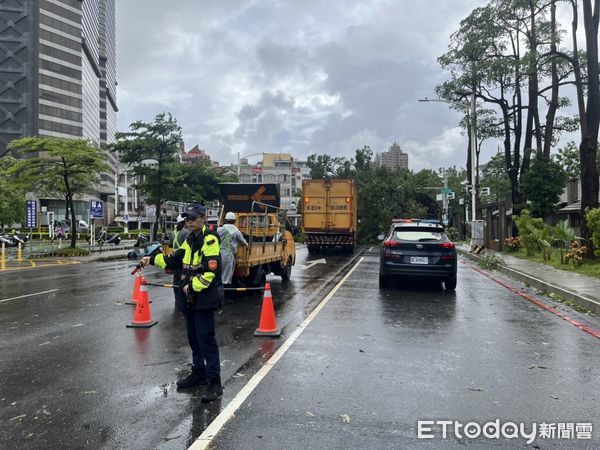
<point>19,239</point>
<point>7,241</point>
<point>13,240</point>
<point>143,247</point>
<point>104,238</point>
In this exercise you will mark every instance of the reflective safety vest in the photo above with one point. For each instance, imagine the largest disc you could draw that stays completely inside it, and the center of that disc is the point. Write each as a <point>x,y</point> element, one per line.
<point>198,260</point>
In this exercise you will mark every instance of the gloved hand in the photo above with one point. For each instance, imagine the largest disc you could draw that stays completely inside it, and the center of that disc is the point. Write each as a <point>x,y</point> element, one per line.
<point>145,261</point>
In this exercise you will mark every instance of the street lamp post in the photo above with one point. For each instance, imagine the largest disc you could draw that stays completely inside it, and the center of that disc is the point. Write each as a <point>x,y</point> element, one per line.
<point>473,149</point>
<point>473,153</point>
<point>245,156</point>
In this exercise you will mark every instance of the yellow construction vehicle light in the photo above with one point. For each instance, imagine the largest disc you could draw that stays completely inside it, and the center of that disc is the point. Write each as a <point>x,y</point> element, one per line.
<point>306,199</point>
<point>347,199</point>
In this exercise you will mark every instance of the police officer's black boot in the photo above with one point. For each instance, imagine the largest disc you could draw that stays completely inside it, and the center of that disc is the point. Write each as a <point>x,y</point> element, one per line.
<point>193,379</point>
<point>213,391</point>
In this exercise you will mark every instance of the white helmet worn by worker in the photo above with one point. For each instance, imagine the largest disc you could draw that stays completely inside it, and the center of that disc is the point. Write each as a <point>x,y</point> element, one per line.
<point>230,216</point>
<point>180,218</point>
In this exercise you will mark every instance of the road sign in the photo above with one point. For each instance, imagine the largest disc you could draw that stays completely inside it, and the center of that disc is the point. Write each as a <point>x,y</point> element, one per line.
<point>126,217</point>
<point>151,211</point>
<point>31,214</point>
<point>450,195</point>
<point>96,209</point>
<point>446,190</point>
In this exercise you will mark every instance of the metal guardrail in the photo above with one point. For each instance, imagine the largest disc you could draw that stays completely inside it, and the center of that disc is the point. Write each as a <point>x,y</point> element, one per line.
<point>46,248</point>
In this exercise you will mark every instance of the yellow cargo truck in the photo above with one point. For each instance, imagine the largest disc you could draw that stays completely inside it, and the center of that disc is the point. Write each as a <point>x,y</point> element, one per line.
<point>329,214</point>
<point>271,247</point>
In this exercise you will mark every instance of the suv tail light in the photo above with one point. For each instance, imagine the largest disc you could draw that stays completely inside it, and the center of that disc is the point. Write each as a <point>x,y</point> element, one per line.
<point>448,245</point>
<point>388,248</point>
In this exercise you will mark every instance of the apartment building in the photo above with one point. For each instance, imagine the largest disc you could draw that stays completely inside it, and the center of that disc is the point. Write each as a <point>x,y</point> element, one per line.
<point>394,158</point>
<point>279,168</point>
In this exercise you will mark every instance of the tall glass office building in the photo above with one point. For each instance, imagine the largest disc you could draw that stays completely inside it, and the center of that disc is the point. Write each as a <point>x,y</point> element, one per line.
<point>58,73</point>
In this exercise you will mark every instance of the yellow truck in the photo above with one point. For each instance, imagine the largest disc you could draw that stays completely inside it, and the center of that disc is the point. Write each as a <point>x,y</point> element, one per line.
<point>329,214</point>
<point>271,247</point>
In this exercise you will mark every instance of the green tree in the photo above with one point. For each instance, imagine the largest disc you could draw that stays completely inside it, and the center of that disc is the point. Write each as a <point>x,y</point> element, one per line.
<point>58,166</point>
<point>12,197</point>
<point>198,182</point>
<point>157,141</point>
<point>494,176</point>
<point>326,166</point>
<point>568,158</point>
<point>542,185</point>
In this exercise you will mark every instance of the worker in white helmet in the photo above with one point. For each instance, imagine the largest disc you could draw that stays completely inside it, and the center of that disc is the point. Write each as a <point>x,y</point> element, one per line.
<point>180,233</point>
<point>230,238</point>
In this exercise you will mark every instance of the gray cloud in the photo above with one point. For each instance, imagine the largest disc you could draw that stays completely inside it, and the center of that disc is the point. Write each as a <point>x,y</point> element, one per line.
<point>311,76</point>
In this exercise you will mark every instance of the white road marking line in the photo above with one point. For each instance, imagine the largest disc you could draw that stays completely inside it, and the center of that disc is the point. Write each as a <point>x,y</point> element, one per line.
<point>27,295</point>
<point>216,425</point>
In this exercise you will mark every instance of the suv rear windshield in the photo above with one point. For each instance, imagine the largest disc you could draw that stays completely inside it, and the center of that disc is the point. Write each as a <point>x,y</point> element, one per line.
<point>407,234</point>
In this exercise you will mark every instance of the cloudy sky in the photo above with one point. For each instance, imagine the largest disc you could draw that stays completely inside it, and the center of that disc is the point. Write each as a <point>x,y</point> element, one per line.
<point>303,77</point>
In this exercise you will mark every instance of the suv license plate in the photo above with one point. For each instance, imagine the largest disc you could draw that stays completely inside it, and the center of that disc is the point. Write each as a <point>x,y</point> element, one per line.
<point>418,260</point>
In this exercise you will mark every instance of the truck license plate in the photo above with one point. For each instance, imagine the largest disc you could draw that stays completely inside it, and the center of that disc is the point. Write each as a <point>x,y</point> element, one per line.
<point>418,260</point>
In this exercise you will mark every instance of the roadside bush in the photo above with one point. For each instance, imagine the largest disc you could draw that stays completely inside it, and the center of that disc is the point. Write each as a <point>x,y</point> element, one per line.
<point>543,236</point>
<point>592,217</point>
<point>576,255</point>
<point>491,261</point>
<point>299,238</point>
<point>564,237</point>
<point>525,223</point>
<point>452,233</point>
<point>512,244</point>
<point>68,251</point>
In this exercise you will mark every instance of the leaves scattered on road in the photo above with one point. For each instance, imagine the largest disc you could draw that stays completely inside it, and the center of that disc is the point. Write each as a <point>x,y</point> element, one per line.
<point>345,418</point>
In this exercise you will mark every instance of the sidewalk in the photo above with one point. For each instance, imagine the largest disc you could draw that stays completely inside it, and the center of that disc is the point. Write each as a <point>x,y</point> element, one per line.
<point>582,289</point>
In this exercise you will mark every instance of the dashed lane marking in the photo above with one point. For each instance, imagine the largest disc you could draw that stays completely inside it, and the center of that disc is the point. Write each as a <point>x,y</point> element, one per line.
<point>216,425</point>
<point>28,295</point>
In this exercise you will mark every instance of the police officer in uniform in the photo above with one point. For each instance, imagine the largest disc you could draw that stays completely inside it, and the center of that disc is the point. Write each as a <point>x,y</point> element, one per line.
<point>197,264</point>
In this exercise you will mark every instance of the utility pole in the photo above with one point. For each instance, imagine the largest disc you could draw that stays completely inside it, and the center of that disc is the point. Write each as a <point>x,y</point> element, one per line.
<point>473,120</point>
<point>445,200</point>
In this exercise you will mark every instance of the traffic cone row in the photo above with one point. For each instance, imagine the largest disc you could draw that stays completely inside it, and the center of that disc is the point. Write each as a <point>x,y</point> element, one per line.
<point>142,316</point>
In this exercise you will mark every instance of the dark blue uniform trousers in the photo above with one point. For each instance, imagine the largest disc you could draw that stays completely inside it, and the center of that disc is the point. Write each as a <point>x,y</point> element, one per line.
<point>201,337</point>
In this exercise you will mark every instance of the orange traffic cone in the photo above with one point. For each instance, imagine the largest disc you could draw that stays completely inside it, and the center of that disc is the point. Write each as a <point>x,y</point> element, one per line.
<point>142,316</point>
<point>136,290</point>
<point>268,325</point>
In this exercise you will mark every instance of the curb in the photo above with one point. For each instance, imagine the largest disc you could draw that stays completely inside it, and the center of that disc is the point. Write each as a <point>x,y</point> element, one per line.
<point>578,299</point>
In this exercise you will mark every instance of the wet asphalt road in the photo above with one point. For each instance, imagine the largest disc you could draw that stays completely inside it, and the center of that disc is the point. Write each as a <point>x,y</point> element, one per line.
<point>74,377</point>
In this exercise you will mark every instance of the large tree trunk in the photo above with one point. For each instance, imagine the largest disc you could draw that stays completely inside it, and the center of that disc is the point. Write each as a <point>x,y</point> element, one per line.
<point>589,141</point>
<point>69,198</point>
<point>532,125</point>
<point>553,106</point>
